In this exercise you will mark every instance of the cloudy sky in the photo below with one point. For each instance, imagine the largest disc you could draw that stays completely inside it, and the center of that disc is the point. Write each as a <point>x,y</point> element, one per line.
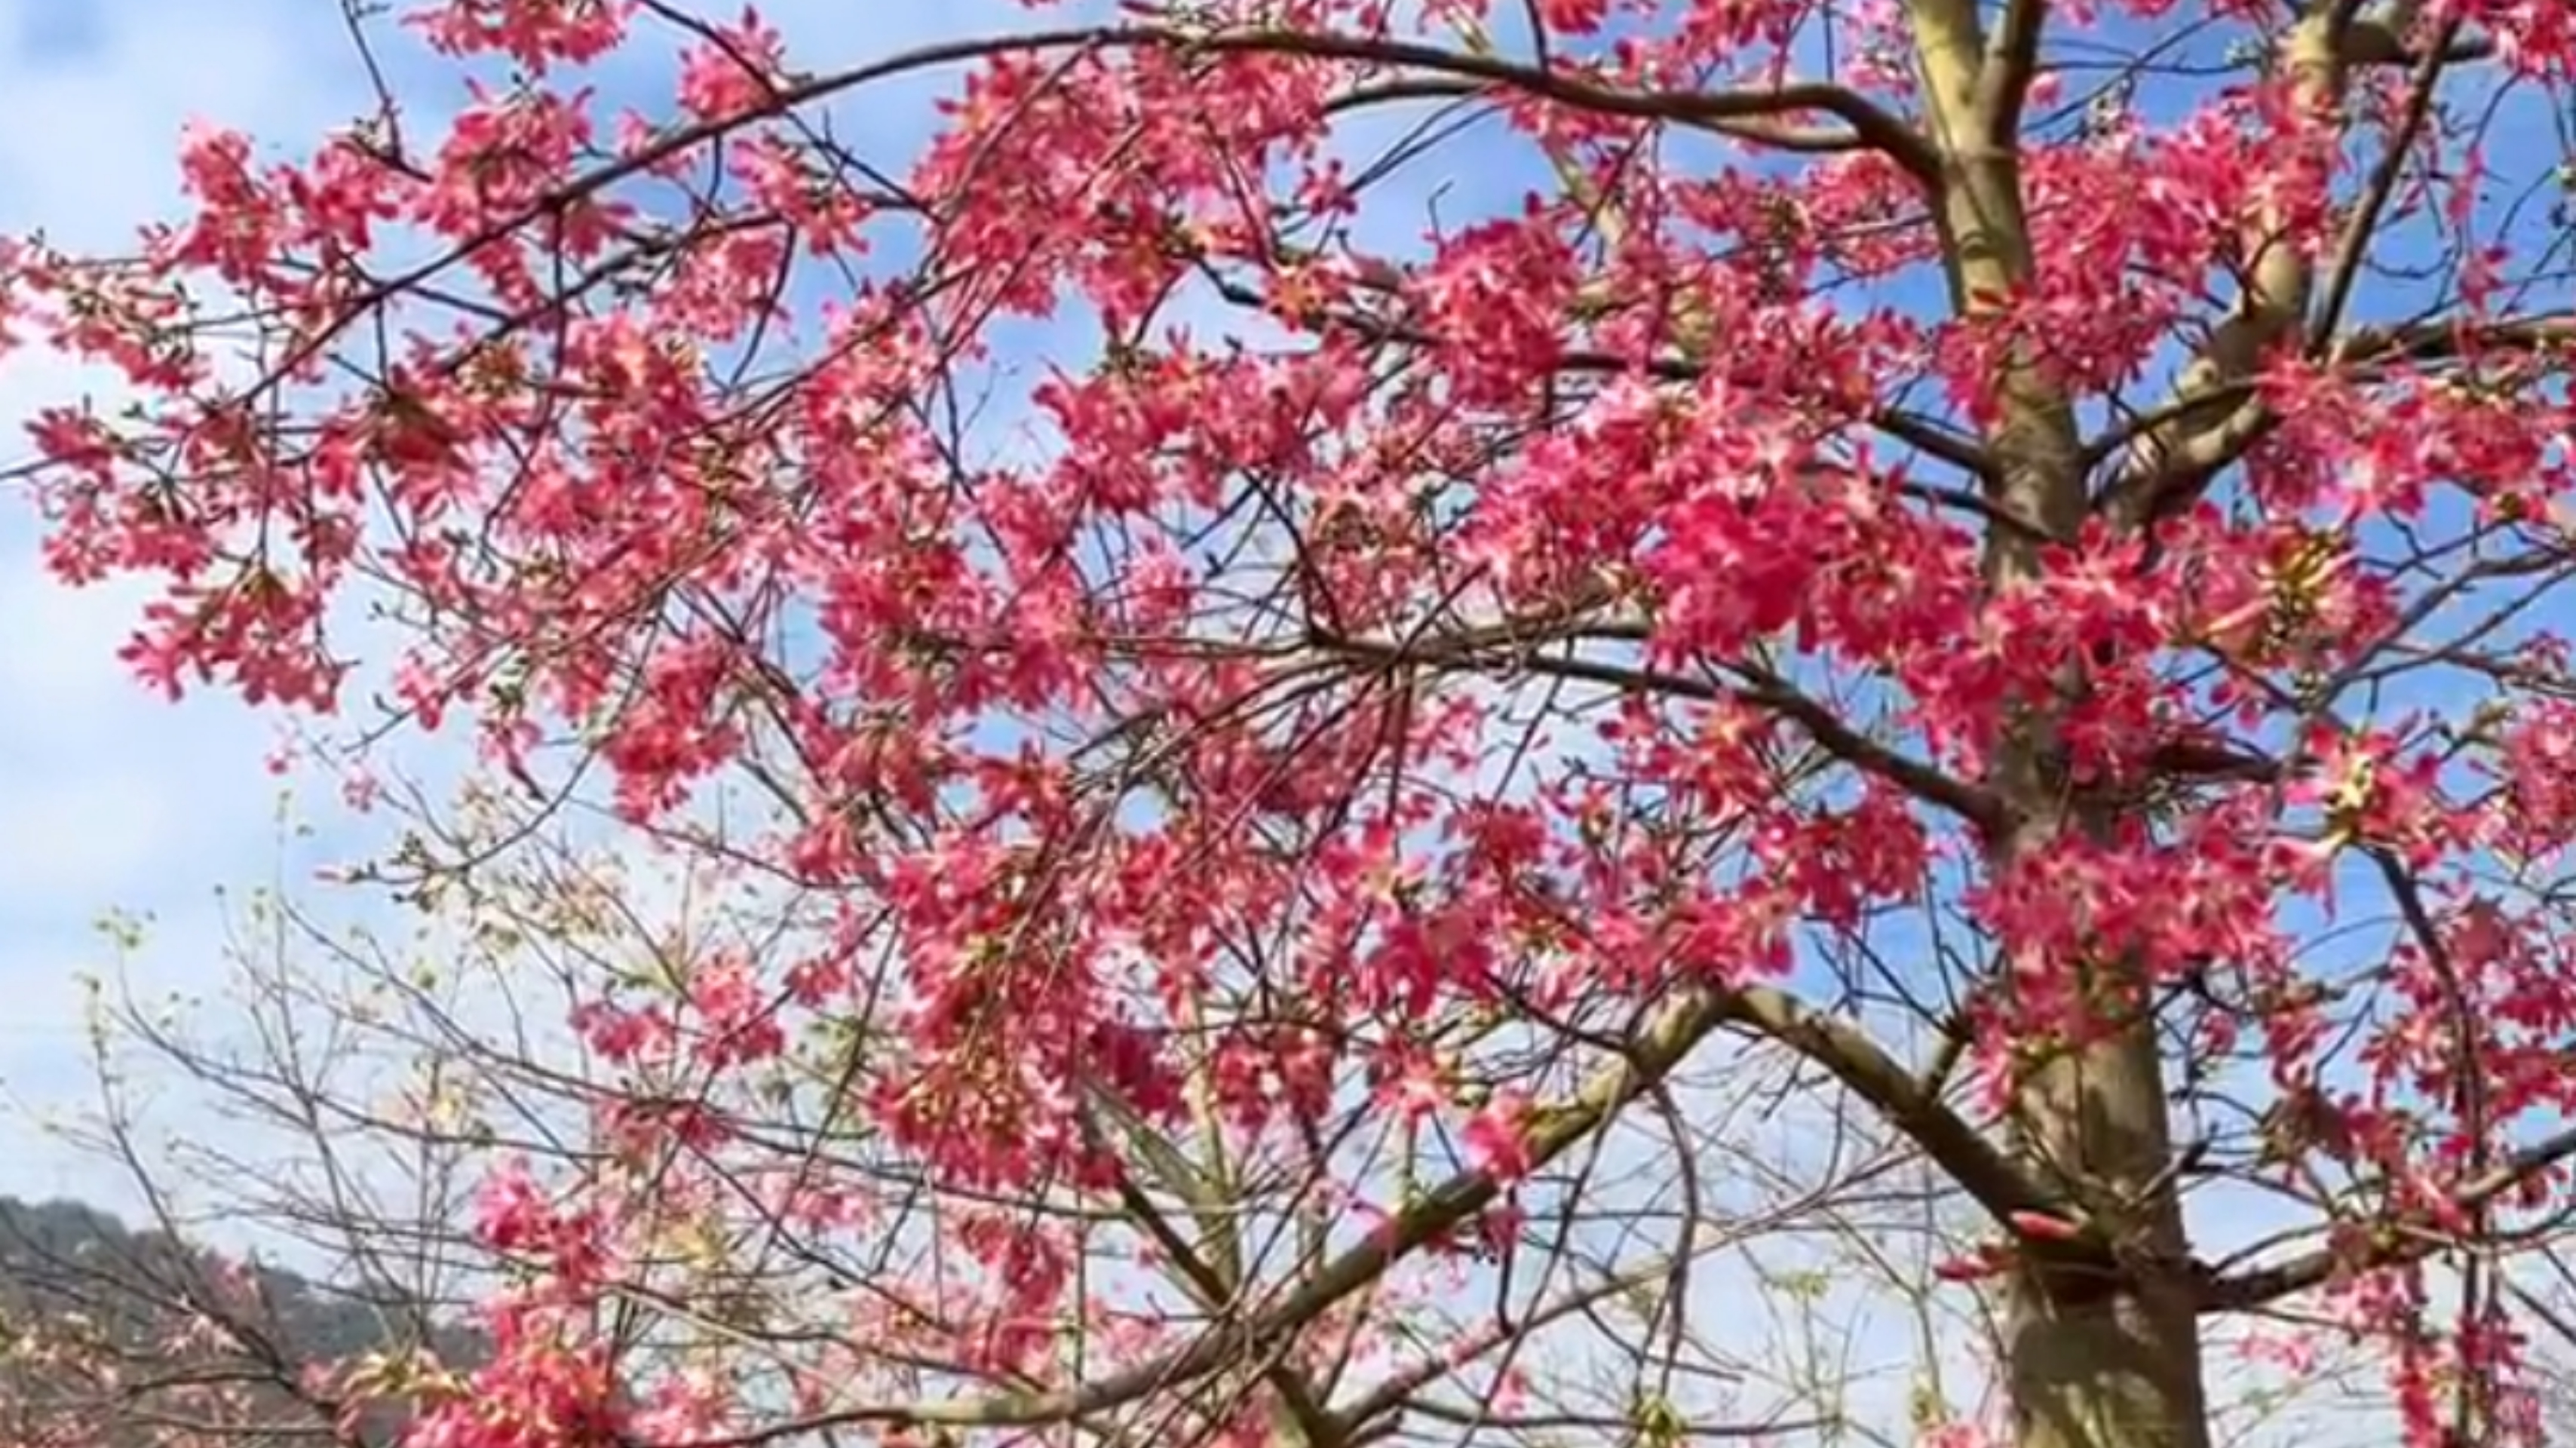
<point>115,799</point>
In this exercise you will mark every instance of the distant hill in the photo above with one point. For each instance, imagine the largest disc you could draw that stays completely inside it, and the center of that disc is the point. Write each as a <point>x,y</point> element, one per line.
<point>72,1273</point>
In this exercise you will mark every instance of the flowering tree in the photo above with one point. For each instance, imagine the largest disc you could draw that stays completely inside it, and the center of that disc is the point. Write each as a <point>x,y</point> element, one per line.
<point>359,1088</point>
<point>1984,569</point>
<point>345,1089</point>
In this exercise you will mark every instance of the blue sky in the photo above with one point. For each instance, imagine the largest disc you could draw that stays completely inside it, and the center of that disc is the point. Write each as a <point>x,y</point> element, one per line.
<point>115,799</point>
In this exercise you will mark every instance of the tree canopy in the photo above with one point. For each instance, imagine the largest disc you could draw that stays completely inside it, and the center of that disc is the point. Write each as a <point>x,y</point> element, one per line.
<point>1397,672</point>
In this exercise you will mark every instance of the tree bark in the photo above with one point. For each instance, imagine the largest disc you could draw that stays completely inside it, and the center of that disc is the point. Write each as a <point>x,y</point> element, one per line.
<point>2093,1358</point>
<point>2095,1363</point>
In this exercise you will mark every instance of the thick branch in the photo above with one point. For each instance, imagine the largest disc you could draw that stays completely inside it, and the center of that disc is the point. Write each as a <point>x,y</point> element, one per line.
<point>2247,420</point>
<point>2171,463</point>
<point>2012,62</point>
<point>1657,1051</point>
<point>2410,1239</point>
<point>1843,1049</point>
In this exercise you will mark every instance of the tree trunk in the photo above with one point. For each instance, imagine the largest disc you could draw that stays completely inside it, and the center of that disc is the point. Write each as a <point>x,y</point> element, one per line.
<point>2095,1363</point>
<point>2093,1359</point>
<point>2122,1371</point>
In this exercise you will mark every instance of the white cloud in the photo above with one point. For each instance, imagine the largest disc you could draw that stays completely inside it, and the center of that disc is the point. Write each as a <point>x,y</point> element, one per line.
<point>68,832</point>
<point>113,797</point>
<point>87,151</point>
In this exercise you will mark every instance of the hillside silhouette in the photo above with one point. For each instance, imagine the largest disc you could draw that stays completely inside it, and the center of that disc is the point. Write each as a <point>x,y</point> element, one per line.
<point>130,1338</point>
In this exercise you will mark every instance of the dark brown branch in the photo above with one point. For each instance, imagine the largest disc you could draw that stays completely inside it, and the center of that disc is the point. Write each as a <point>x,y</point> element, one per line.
<point>1703,109</point>
<point>2409,1239</point>
<point>1707,110</point>
<point>1772,135</point>
<point>1515,645</point>
<point>2363,225</point>
<point>1857,1061</point>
